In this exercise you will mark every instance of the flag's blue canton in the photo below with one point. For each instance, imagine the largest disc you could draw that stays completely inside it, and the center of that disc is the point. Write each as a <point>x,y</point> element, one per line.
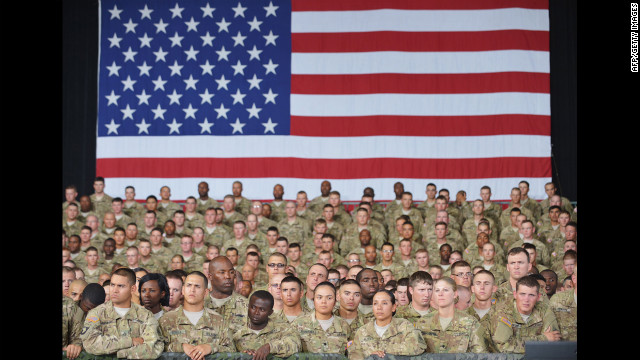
<point>216,72</point>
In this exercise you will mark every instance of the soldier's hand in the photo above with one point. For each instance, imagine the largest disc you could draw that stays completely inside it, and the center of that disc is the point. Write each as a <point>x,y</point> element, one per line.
<point>552,335</point>
<point>199,352</point>
<point>262,352</point>
<point>73,351</point>
<point>137,341</point>
<point>379,353</point>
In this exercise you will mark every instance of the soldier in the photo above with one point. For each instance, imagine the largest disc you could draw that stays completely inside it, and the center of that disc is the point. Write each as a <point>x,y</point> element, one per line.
<point>489,263</point>
<point>263,223</point>
<point>294,227</point>
<point>350,237</point>
<point>131,207</point>
<point>317,274</point>
<point>154,293</point>
<point>386,334</point>
<point>339,213</point>
<point>100,200</point>
<point>551,189</point>
<point>527,202</point>
<point>222,297</point>
<point>510,233</point>
<point>318,203</point>
<point>193,329</point>
<point>565,307</point>
<point>71,225</point>
<point>461,273</point>
<point>231,214</point>
<point>349,296</point>
<point>253,232</point>
<point>526,320</point>
<point>72,320</point>
<point>516,196</point>
<point>421,290</point>
<point>242,203</point>
<point>192,261</point>
<point>117,207</point>
<point>406,208</point>
<point>192,218</point>
<point>292,292</point>
<point>320,331</point>
<point>165,205</point>
<point>204,201</point>
<point>333,227</point>
<point>483,288</point>
<point>70,195</point>
<point>260,337</point>
<point>387,262</point>
<point>240,241</point>
<point>430,201</point>
<point>92,296</point>
<point>551,281</point>
<point>302,208</point>
<point>276,206</point>
<point>369,284</point>
<point>450,330</point>
<point>215,233</point>
<point>527,230</point>
<point>92,269</point>
<point>295,260</point>
<point>393,205</point>
<point>120,327</point>
<point>175,282</point>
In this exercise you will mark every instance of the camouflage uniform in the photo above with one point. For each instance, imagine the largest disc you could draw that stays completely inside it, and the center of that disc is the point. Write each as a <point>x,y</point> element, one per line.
<point>297,231</point>
<point>351,237</point>
<point>473,257</point>
<point>133,209</point>
<point>72,319</point>
<point>342,216</point>
<point>243,206</point>
<point>508,236</point>
<point>153,265</point>
<point>162,256</point>
<point>72,229</point>
<point>317,204</point>
<point>505,294</point>
<point>101,206</point>
<point>234,310</point>
<point>282,339</point>
<point>169,209</point>
<point>242,248</point>
<point>493,211</point>
<point>124,221</point>
<point>533,206</point>
<point>396,269</point>
<point>401,338</point>
<point>409,313</point>
<point>217,236</point>
<point>509,332</point>
<point>566,205</point>
<point>260,239</point>
<point>357,323</point>
<point>485,322</point>
<point>469,230</point>
<point>202,206</point>
<point>453,236</point>
<point>314,339</point>
<point>265,223</point>
<point>92,276</point>
<point>210,329</point>
<point>336,229</point>
<point>505,217</point>
<point>105,332</point>
<point>542,253</point>
<point>565,308</point>
<point>414,214</point>
<point>229,219</point>
<point>277,211</point>
<point>464,334</point>
<point>195,221</point>
<point>193,263</point>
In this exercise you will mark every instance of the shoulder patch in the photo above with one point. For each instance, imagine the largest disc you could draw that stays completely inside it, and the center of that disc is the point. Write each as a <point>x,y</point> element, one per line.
<point>466,250</point>
<point>505,321</point>
<point>93,319</point>
<point>493,301</point>
<point>349,343</point>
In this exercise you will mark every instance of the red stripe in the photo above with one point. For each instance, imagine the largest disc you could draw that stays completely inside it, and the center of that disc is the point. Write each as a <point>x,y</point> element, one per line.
<point>421,125</point>
<point>420,41</point>
<point>421,83</point>
<point>325,169</point>
<point>341,5</point>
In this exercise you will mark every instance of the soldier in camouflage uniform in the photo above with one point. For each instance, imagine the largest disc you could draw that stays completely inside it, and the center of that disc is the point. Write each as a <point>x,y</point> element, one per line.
<point>393,205</point>
<point>215,233</point>
<point>134,335</point>
<point>528,202</point>
<point>293,227</point>
<point>564,305</point>
<point>523,319</point>
<point>526,229</point>
<point>100,200</point>
<point>386,334</point>
<point>387,262</point>
<point>550,188</point>
<point>165,205</point>
<point>491,210</point>
<point>340,215</point>
<point>351,235</point>
<point>518,266</point>
<point>222,297</point>
<point>349,296</point>
<point>317,204</point>
<point>231,213</point>
<point>405,209</point>
<point>242,204</point>
<point>321,331</point>
<point>259,336</point>
<point>515,203</point>
<point>207,335</point>
<point>204,201</point>
<point>239,240</point>
<point>421,289</point>
<point>72,321</point>
<point>71,225</point>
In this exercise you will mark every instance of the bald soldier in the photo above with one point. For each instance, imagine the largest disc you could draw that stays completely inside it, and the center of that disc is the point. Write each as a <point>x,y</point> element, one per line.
<point>222,297</point>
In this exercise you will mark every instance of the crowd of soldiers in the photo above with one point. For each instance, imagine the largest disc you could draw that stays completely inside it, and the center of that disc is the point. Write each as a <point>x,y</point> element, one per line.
<point>282,277</point>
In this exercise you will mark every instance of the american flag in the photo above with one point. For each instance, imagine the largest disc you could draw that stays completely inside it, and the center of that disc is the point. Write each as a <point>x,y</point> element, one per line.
<point>358,92</point>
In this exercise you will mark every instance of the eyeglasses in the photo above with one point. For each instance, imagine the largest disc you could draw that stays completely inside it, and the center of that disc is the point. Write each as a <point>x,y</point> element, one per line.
<point>354,260</point>
<point>464,274</point>
<point>277,286</point>
<point>272,265</point>
<point>387,251</point>
<point>333,280</point>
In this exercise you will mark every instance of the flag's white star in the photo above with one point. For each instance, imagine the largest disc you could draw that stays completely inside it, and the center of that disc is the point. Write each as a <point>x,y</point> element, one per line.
<point>144,69</point>
<point>207,11</point>
<point>238,97</point>
<point>270,67</point>
<point>174,127</point>
<point>222,82</point>
<point>206,97</point>
<point>237,126</point>
<point>207,40</point>
<point>158,112</point>
<point>143,127</point>
<point>146,12</point>
<point>192,25</point>
<point>254,111</point>
<point>113,127</point>
<point>254,24</point>
<point>161,26</point>
<point>145,41</point>
<point>190,83</point>
<point>271,10</point>
<point>223,25</point>
<point>174,98</point>
<point>254,53</point>
<point>127,112</point>
<point>129,55</point>
<point>222,53</point>
<point>143,98</point>
<point>160,55</point>
<point>115,12</point>
<point>115,41</point>
<point>128,84</point>
<point>113,98</point>
<point>270,97</point>
<point>176,11</point>
<point>269,126</point>
<point>222,111</point>
<point>131,26</point>
<point>239,10</point>
<point>159,83</point>
<point>176,40</point>
<point>271,39</point>
<point>238,39</point>
<point>238,68</point>
<point>175,68</point>
<point>206,68</point>
<point>254,82</point>
<point>113,69</point>
<point>191,53</point>
<point>189,112</point>
<point>206,125</point>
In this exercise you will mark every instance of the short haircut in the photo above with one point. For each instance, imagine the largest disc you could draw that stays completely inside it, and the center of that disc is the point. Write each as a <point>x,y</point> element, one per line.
<point>388,292</point>
<point>162,284</point>
<point>529,246</point>
<point>199,273</point>
<point>231,249</point>
<point>538,277</point>
<point>361,272</point>
<point>91,248</point>
<point>549,271</point>
<point>94,293</point>
<point>293,279</point>
<point>264,295</point>
<point>330,236</point>
<point>128,273</point>
<point>570,254</point>
<point>349,282</point>
<point>459,263</point>
<point>420,277</point>
<point>173,274</point>
<point>486,272</point>
<point>280,255</point>
<point>528,281</point>
<point>518,250</point>
<point>387,244</point>
<point>326,283</point>
<point>294,245</point>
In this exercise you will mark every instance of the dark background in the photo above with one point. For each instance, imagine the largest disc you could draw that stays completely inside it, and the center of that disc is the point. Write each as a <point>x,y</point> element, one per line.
<point>80,74</point>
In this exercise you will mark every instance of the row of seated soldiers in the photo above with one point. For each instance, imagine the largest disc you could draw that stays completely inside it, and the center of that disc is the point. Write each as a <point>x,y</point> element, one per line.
<point>239,223</point>
<point>344,316</point>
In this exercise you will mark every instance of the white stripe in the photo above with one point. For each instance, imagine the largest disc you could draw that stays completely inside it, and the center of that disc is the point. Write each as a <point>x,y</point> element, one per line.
<point>415,147</point>
<point>459,62</point>
<point>420,104</point>
<point>350,190</point>
<point>419,20</point>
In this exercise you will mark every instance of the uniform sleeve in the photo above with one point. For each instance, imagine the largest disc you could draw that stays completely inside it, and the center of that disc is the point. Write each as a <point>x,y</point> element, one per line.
<point>96,342</point>
<point>412,341</point>
<point>287,344</point>
<point>354,350</point>
<point>152,346</point>
<point>503,336</point>
<point>478,342</point>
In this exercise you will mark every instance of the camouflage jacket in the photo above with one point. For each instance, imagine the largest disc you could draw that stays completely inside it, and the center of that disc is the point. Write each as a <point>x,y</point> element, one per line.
<point>316,340</point>
<point>401,338</point>
<point>565,309</point>
<point>282,339</point>
<point>463,334</point>
<point>210,329</point>
<point>72,319</point>
<point>234,311</point>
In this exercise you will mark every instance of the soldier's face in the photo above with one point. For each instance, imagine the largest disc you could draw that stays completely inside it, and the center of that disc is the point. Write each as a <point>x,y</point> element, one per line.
<point>407,231</point>
<point>72,212</point>
<point>67,279</point>
<point>203,189</point>
<point>362,217</point>
<point>431,192</point>
<point>350,296</point>
<point>278,191</point>
<point>488,252</point>
<point>291,293</point>
<point>365,237</point>
<point>175,292</point>
<point>222,275</point>
<point>483,286</point>
<point>518,265</point>
<point>116,206</point>
<point>401,295</point>
<point>421,293</point>
<point>387,253</point>
<point>325,259</point>
<point>120,290</point>
<point>129,194</point>
<point>485,194</point>
<point>328,213</point>
<point>193,290</point>
<point>550,189</point>
<point>75,290</point>
<point>178,219</point>
<point>98,186</point>
<point>259,311</point>
<point>92,258</point>
<point>383,308</point>
<point>407,200</point>
<point>229,204</point>
<point>422,259</point>
<point>290,209</point>
<point>324,299</point>
<point>186,244</point>
<point>282,247</point>
<point>515,196</point>
<point>405,248</point>
<point>325,188</point>
<point>85,203</point>
<point>301,200</point>
<point>317,274</point>
<point>524,189</point>
<point>526,298</point>
<point>150,294</point>
<point>236,189</point>
<point>370,253</point>
<point>368,283</point>
<point>256,208</point>
<point>293,254</point>
<point>266,210</point>
<point>190,205</point>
